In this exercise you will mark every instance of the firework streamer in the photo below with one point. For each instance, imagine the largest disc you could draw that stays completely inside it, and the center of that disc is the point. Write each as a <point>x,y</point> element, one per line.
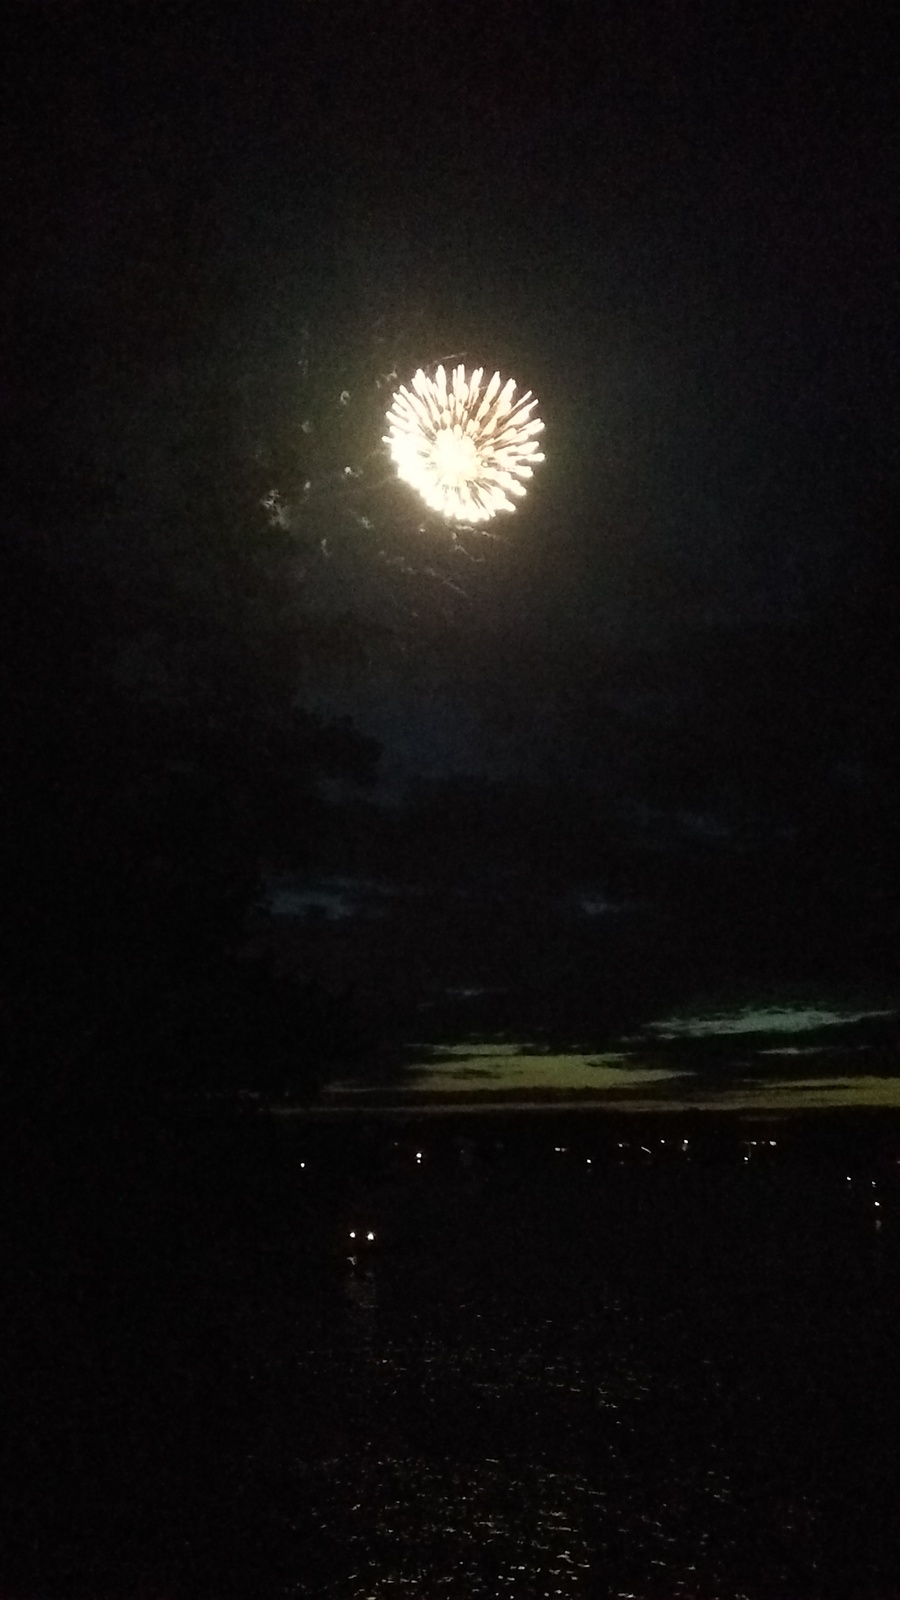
<point>464,446</point>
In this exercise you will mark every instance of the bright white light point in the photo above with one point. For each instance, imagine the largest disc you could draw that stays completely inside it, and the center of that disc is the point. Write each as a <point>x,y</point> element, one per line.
<point>464,446</point>
<point>370,1237</point>
<point>455,458</point>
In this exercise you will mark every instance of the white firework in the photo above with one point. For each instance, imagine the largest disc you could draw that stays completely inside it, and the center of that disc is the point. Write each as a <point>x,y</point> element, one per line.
<point>464,448</point>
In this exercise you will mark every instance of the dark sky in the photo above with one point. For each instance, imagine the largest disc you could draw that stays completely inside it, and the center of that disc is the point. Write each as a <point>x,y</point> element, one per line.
<point>676,223</point>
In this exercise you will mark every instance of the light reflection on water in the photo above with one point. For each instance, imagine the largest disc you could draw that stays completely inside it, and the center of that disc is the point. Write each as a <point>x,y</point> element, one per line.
<point>666,1373</point>
<point>477,1530</point>
<point>612,1399</point>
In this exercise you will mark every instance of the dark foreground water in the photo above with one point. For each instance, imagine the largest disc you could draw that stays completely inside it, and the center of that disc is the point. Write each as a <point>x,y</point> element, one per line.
<point>593,1371</point>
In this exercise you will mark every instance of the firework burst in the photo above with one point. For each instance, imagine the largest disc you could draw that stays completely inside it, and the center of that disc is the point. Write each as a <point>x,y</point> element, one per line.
<point>464,447</point>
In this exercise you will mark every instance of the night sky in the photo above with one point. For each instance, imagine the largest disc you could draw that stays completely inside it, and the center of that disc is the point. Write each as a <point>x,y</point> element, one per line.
<point>229,226</point>
<point>449,998</point>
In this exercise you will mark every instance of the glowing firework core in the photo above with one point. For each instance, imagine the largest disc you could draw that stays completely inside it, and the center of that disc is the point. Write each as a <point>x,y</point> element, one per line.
<point>463,449</point>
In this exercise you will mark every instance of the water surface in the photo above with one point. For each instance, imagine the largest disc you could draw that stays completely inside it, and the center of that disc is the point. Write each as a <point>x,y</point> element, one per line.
<point>573,1365</point>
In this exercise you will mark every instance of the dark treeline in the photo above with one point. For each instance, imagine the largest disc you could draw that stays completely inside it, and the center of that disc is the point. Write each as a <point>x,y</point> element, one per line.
<point>137,822</point>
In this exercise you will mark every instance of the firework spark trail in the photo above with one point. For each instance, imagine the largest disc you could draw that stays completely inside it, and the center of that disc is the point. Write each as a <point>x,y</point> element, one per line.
<point>464,449</point>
